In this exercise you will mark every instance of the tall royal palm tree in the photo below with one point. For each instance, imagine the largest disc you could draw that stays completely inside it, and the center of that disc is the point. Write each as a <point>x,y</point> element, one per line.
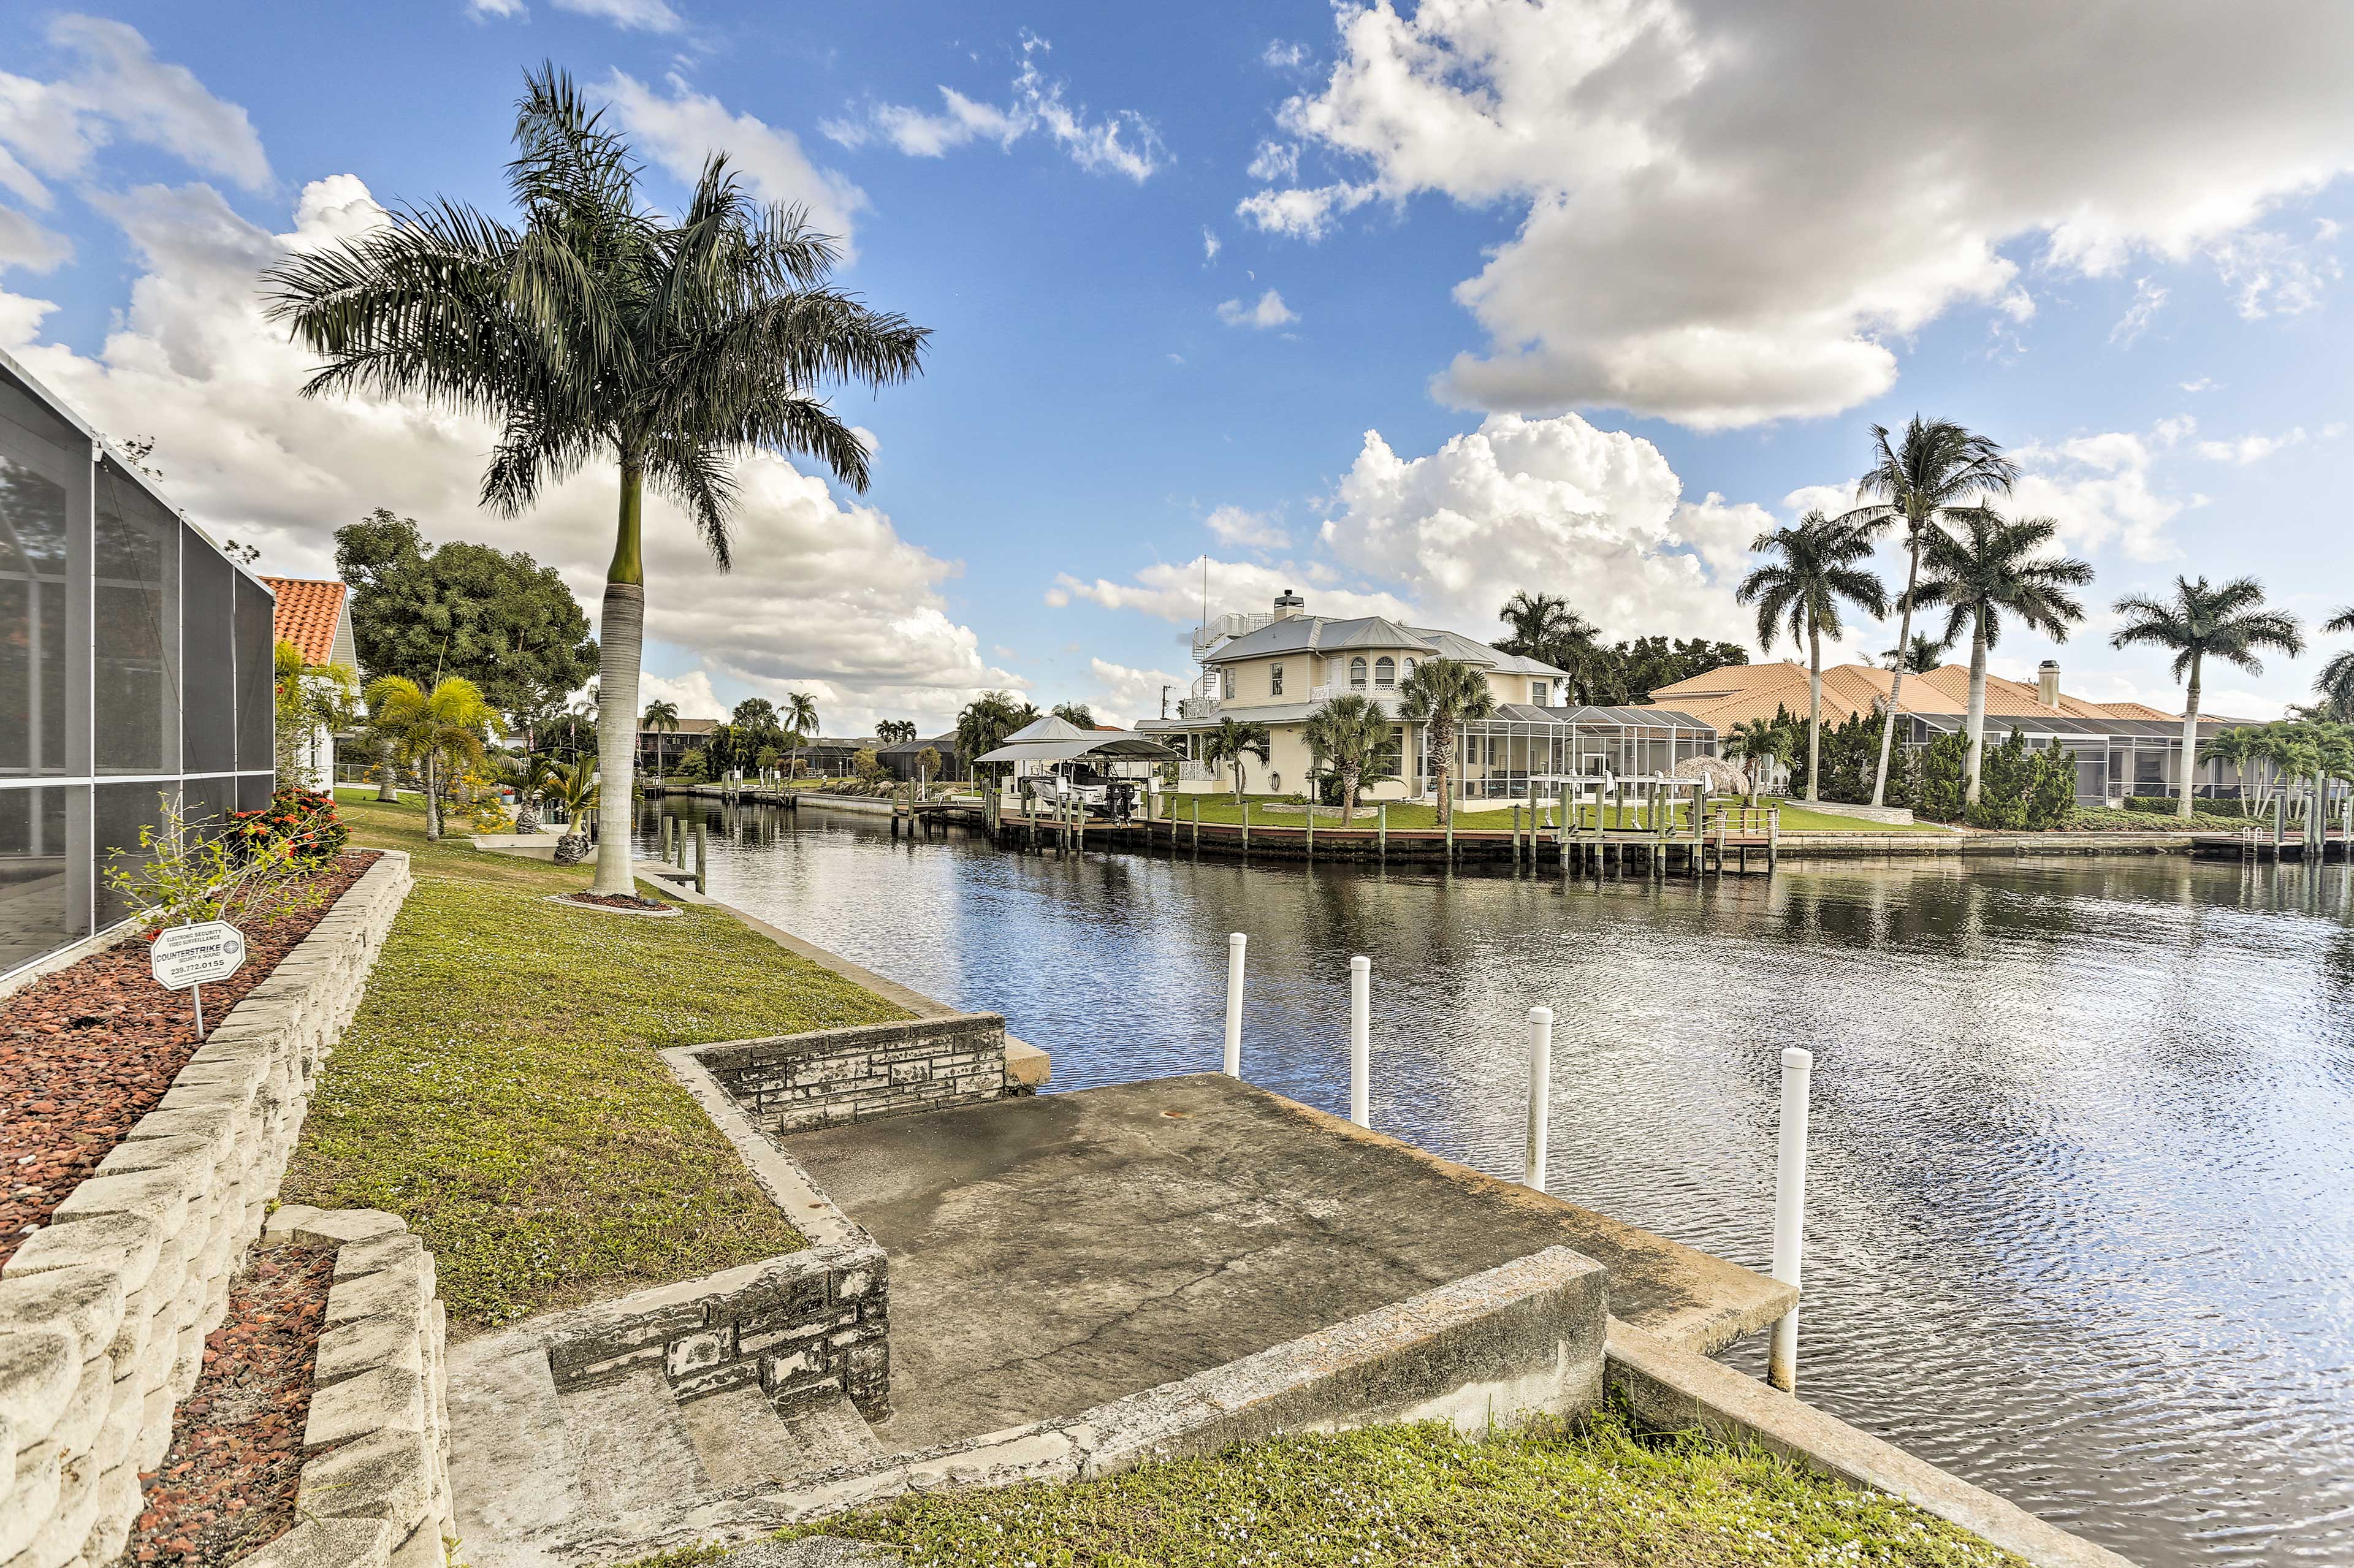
<point>1232,741</point>
<point>438,732</point>
<point>799,720</point>
<point>599,330</point>
<point>2335,684</point>
<point>1920,656</point>
<point>661,718</point>
<point>1442,695</point>
<point>1922,479</point>
<point>2199,623</point>
<point>1821,567</point>
<point>1350,736</point>
<point>1987,569</point>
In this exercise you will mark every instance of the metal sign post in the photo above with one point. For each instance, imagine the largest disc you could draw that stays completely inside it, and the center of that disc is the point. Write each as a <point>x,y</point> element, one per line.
<point>185,957</point>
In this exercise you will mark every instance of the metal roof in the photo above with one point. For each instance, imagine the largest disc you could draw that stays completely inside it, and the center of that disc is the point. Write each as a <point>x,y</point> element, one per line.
<point>1050,739</point>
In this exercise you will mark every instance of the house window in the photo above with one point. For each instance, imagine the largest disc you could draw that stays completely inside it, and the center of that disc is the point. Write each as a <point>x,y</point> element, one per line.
<point>1226,685</point>
<point>1274,680</point>
<point>1409,667</point>
<point>1357,675</point>
<point>1384,673</point>
<point>1537,691</point>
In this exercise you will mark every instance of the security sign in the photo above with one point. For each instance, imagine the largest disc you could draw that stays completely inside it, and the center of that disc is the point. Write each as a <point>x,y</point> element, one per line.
<point>184,956</point>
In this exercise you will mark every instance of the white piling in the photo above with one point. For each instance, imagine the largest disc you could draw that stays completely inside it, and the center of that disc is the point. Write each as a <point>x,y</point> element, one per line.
<point>1234,945</point>
<point>1360,1071</point>
<point>1789,1213</point>
<point>1539,1095</point>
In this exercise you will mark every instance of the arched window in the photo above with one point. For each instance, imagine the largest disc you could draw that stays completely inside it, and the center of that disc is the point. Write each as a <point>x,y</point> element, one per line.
<point>1384,673</point>
<point>1409,666</point>
<point>1357,673</point>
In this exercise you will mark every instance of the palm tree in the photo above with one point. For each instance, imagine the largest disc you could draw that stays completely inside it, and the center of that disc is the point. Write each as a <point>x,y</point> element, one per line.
<point>2335,684</point>
<point>1078,714</point>
<point>1441,695</point>
<point>433,732</point>
<point>602,330</point>
<point>1757,741</point>
<point>1233,740</point>
<point>661,718</point>
<point>1350,736</point>
<point>799,720</point>
<point>2235,748</point>
<point>1819,570</point>
<point>1918,657</point>
<point>2201,622</point>
<point>1544,628</point>
<point>1921,480</point>
<point>1989,569</point>
<point>986,720</point>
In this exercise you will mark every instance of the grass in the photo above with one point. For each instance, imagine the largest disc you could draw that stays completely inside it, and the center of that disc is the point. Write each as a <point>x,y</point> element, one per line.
<point>1599,1495</point>
<point>500,1089</point>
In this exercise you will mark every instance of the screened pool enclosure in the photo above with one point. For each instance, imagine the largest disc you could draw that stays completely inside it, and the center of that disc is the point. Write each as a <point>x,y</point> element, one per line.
<point>134,667</point>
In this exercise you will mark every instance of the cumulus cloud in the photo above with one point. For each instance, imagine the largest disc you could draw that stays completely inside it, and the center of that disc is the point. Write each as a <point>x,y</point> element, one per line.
<point>691,693</point>
<point>1251,530</point>
<point>2148,298</point>
<point>680,130</point>
<point>826,595</point>
<point>1268,312</point>
<point>2251,449</point>
<point>1173,591</point>
<point>2098,489</point>
<point>1122,143</point>
<point>1701,240</point>
<point>496,10</point>
<point>1124,694</point>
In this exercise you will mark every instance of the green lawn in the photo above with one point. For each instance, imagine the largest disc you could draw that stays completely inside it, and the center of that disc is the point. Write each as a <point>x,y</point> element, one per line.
<point>1598,1495</point>
<point>499,1091</point>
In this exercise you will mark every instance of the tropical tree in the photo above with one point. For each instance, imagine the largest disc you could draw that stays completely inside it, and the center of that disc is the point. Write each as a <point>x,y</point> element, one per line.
<point>1987,569</point>
<point>2335,684</point>
<point>599,329</point>
<point>890,732</point>
<point>1761,742</point>
<point>1544,628</point>
<point>2236,748</point>
<point>1078,714</point>
<point>1234,741</point>
<point>986,721</point>
<point>1921,480</point>
<point>439,733</point>
<point>660,717</point>
<point>1918,657</point>
<point>1349,736</point>
<point>2202,621</point>
<point>309,698</point>
<point>1441,695</point>
<point>1820,568</point>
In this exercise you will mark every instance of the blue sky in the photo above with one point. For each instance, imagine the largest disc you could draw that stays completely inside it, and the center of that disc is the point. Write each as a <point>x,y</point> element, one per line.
<point>1612,287</point>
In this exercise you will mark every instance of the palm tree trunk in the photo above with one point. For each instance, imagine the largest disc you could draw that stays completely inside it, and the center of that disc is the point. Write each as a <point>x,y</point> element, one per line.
<point>1814,711</point>
<point>620,642</point>
<point>1896,676</point>
<point>1976,720</point>
<point>387,790</point>
<point>2190,735</point>
<point>1442,750</point>
<point>432,800</point>
<point>1348,798</point>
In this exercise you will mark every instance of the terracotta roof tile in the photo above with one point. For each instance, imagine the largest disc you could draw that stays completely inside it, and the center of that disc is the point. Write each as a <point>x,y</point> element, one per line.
<point>306,615</point>
<point>1738,693</point>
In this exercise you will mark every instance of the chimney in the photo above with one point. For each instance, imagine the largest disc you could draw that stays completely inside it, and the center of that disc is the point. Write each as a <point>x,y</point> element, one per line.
<point>2047,682</point>
<point>1287,604</point>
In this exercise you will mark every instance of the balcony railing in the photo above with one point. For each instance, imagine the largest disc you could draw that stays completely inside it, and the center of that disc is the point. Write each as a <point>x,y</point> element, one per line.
<point>1196,707</point>
<point>1196,773</point>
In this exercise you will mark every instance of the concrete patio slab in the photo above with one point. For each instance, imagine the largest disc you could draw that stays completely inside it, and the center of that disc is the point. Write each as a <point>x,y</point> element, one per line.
<point>1051,1254</point>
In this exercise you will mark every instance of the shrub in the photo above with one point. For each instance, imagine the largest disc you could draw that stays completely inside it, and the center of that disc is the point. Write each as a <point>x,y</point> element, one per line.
<point>304,820</point>
<point>1850,758</point>
<point>2167,806</point>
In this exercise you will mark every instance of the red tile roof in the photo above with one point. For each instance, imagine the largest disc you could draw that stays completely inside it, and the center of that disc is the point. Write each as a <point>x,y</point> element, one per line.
<point>306,615</point>
<point>1727,696</point>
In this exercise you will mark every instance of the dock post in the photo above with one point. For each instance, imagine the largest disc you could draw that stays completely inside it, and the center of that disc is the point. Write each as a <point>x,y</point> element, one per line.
<point>1539,1095</point>
<point>1235,942</point>
<point>1561,828</point>
<point>1311,825</point>
<point>1772,837</point>
<point>702,858</point>
<point>1449,806</point>
<point>1360,1007</point>
<point>1197,826</point>
<point>1247,806</point>
<point>1516,832</point>
<point>1789,1213</point>
<point>1382,833</point>
<point>666,839</point>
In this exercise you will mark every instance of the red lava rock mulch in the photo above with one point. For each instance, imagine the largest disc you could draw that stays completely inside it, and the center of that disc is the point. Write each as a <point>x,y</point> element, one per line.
<point>86,1051</point>
<point>227,1488</point>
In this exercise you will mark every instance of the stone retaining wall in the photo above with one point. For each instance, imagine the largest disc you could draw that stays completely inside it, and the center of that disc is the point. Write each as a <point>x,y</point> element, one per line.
<point>375,1491</point>
<point>104,1311</point>
<point>829,1075</point>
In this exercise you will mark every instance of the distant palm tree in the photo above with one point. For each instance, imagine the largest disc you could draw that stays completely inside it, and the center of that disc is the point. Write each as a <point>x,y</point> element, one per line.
<point>1442,695</point>
<point>603,330</point>
<point>1920,656</point>
<point>1921,480</point>
<point>1350,736</point>
<point>1078,714</point>
<point>1991,568</point>
<point>1546,628</point>
<point>2201,622</point>
<point>985,723</point>
<point>2334,684</point>
<point>1819,570</point>
<point>435,732</point>
<point>1761,743</point>
<point>799,719</point>
<point>661,719</point>
<point>1233,740</point>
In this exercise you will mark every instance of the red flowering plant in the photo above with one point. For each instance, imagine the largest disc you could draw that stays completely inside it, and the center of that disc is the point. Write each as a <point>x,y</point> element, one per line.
<point>300,822</point>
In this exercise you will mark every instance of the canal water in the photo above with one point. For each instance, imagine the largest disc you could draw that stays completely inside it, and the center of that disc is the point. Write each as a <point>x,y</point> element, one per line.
<point>2081,1226</point>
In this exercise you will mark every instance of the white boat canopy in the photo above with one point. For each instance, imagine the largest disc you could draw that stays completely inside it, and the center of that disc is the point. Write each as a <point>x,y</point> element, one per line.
<point>1052,739</point>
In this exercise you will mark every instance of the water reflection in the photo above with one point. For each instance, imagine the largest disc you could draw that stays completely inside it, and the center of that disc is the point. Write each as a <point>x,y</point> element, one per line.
<point>2079,1225</point>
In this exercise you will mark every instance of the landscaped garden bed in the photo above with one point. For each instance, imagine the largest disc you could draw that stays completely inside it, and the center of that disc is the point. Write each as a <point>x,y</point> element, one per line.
<point>227,1484</point>
<point>88,1050</point>
<point>502,1087</point>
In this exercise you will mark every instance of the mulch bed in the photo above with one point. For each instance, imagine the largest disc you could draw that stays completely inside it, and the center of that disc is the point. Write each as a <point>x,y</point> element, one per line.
<point>86,1051</point>
<point>226,1487</point>
<point>615,901</point>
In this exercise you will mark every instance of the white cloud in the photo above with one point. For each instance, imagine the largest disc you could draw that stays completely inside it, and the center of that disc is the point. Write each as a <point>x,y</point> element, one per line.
<point>115,87</point>
<point>1281,56</point>
<point>1274,161</point>
<point>2097,488</point>
<point>1124,694</point>
<point>2147,298</point>
<point>2205,384</point>
<point>681,131</point>
<point>637,15</point>
<point>691,693</point>
<point>1250,530</point>
<point>826,596</point>
<point>2251,449</point>
<point>1210,244</point>
<point>1269,312</point>
<point>25,243</point>
<point>2173,432</point>
<point>1701,240</point>
<point>496,10</point>
<point>1122,143</point>
<point>1173,592</point>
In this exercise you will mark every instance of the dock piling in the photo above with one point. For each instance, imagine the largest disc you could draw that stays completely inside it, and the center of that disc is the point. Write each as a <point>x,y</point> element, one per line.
<point>1360,1007</point>
<point>702,858</point>
<point>1236,943</point>
<point>1539,1095</point>
<point>1789,1213</point>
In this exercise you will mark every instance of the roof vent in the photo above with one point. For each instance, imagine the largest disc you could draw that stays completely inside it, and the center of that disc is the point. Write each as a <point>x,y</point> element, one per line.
<point>1287,604</point>
<point>2047,682</point>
